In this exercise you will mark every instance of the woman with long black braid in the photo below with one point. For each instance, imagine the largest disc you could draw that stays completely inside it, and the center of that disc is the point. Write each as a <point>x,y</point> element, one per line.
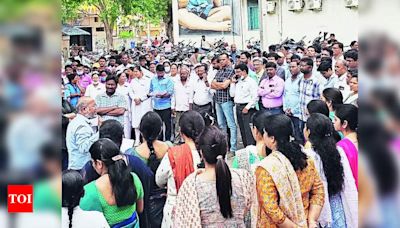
<point>341,196</point>
<point>72,215</point>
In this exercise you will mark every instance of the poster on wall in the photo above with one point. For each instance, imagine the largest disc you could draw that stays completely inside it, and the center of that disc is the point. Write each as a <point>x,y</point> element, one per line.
<point>196,17</point>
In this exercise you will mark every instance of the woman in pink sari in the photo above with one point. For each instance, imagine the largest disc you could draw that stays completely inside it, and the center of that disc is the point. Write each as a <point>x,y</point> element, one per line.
<point>346,121</point>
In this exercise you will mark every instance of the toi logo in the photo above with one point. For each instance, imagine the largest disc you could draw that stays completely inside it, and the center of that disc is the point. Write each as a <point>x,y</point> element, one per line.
<point>20,198</point>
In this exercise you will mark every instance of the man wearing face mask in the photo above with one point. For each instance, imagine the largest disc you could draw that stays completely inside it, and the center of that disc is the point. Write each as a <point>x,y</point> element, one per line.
<point>80,135</point>
<point>85,79</point>
<point>182,99</point>
<point>111,105</point>
<point>310,87</point>
<point>244,91</point>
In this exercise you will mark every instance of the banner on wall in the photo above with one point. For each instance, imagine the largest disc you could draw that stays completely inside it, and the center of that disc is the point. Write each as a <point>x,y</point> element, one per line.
<point>217,17</point>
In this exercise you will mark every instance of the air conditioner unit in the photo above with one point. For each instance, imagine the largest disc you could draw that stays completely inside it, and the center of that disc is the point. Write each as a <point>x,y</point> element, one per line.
<point>314,4</point>
<point>271,6</point>
<point>351,3</point>
<point>295,5</point>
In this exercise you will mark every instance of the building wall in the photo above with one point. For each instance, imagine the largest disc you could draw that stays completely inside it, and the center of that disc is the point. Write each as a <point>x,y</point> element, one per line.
<point>334,18</point>
<point>239,40</point>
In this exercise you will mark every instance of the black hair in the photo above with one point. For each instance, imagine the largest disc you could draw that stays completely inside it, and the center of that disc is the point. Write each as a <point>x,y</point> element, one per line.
<point>150,127</point>
<point>213,145</point>
<point>326,59</point>
<point>257,119</point>
<point>137,67</point>
<point>119,173</point>
<point>160,68</point>
<point>112,129</point>
<point>196,50</point>
<point>226,54</point>
<point>339,44</point>
<point>242,67</point>
<point>324,66</point>
<point>71,77</point>
<point>67,66</point>
<point>113,78</point>
<point>294,57</point>
<point>142,57</point>
<point>273,55</point>
<point>103,71</point>
<point>353,73</point>
<point>328,50</point>
<point>308,61</point>
<point>313,47</point>
<point>270,64</point>
<point>247,54</point>
<point>72,186</point>
<point>318,106</point>
<point>351,54</point>
<point>334,96</point>
<point>353,42</point>
<point>216,57</point>
<point>207,117</point>
<point>349,113</point>
<point>323,143</point>
<point>300,47</point>
<point>280,127</point>
<point>272,47</point>
<point>191,124</point>
<point>102,57</point>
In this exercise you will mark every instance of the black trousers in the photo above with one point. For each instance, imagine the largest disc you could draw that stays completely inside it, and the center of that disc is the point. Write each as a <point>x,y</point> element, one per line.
<point>165,115</point>
<point>203,108</point>
<point>244,124</point>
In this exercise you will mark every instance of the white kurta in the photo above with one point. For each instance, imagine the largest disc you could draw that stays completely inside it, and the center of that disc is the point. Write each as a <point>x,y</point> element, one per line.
<point>126,91</point>
<point>140,89</point>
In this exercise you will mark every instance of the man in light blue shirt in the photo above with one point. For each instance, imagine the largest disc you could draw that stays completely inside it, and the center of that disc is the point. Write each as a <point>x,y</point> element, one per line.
<point>325,68</point>
<point>291,98</point>
<point>80,134</point>
<point>161,90</point>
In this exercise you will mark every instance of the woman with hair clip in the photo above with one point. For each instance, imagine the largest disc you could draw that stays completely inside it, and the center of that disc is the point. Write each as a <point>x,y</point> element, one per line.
<point>180,161</point>
<point>215,196</point>
<point>341,197</point>
<point>117,193</point>
<point>290,191</point>
<point>346,121</point>
<point>332,97</point>
<point>141,104</point>
<point>71,214</point>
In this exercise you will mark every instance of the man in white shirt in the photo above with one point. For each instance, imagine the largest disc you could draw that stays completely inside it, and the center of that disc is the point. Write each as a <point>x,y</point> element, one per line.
<point>202,92</point>
<point>325,68</point>
<point>244,90</point>
<point>182,100</point>
<point>96,87</point>
<point>341,72</point>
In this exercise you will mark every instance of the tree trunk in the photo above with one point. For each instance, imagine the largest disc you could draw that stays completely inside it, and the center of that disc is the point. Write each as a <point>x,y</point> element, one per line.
<point>169,26</point>
<point>109,36</point>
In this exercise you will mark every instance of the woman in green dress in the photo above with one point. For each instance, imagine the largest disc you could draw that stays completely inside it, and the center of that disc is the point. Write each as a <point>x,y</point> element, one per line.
<point>118,193</point>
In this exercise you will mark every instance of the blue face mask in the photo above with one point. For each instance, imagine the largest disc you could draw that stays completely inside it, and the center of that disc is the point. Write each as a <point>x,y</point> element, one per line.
<point>103,79</point>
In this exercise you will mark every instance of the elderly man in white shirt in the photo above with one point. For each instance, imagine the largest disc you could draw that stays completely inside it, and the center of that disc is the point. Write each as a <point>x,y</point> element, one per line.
<point>182,100</point>
<point>341,72</point>
<point>244,90</point>
<point>202,92</point>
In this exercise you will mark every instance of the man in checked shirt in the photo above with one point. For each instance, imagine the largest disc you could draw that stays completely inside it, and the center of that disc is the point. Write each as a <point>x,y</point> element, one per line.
<point>223,100</point>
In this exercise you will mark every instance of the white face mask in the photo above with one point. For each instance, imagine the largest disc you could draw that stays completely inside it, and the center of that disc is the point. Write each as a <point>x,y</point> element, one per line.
<point>167,69</point>
<point>79,72</point>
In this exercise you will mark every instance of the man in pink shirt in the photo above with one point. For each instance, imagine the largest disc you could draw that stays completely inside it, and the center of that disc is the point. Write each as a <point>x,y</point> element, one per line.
<point>85,79</point>
<point>271,91</point>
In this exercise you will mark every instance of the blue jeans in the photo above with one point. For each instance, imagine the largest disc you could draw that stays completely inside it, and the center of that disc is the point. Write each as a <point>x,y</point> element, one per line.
<point>224,116</point>
<point>274,111</point>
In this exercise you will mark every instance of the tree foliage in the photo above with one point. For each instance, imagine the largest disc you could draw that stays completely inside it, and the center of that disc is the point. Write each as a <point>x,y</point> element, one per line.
<point>110,10</point>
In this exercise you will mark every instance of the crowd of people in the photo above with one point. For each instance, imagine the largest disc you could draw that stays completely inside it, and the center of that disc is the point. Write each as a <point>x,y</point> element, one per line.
<point>294,163</point>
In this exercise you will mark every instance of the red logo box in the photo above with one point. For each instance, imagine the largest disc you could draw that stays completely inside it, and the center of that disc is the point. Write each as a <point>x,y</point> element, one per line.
<point>20,198</point>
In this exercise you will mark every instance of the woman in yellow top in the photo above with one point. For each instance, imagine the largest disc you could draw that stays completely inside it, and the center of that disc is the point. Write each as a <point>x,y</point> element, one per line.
<point>290,191</point>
